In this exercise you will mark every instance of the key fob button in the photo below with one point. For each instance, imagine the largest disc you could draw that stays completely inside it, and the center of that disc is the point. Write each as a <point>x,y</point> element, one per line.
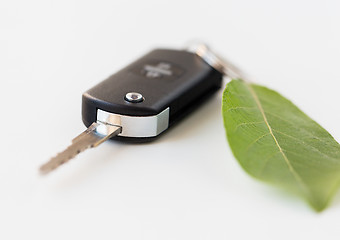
<point>134,97</point>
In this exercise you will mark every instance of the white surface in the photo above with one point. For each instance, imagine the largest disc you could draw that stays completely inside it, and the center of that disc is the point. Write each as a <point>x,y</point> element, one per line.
<point>186,185</point>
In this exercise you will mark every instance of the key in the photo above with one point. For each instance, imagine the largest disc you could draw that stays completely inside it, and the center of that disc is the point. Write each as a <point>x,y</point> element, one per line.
<point>143,100</point>
<point>88,139</point>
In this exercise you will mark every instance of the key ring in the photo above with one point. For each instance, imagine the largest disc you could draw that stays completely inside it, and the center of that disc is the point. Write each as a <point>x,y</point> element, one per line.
<point>214,60</point>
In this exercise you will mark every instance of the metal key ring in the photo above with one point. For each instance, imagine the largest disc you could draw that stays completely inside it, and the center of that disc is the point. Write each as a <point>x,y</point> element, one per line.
<point>214,60</point>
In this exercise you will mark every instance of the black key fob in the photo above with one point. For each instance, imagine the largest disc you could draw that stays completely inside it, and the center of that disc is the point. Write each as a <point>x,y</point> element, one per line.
<point>151,94</point>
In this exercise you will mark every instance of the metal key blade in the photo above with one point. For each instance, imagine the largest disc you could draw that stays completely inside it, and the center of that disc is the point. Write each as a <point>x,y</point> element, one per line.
<point>88,139</point>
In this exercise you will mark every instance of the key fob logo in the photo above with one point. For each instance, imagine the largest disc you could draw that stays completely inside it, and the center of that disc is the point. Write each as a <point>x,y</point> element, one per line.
<point>159,70</point>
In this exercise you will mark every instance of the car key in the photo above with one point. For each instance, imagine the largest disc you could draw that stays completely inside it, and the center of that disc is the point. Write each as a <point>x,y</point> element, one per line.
<point>146,98</point>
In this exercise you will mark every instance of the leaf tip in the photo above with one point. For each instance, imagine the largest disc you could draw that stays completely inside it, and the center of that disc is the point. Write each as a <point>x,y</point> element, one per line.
<point>319,206</point>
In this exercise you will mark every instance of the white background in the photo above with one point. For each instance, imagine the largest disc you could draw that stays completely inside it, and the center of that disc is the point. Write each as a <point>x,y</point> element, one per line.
<point>187,184</point>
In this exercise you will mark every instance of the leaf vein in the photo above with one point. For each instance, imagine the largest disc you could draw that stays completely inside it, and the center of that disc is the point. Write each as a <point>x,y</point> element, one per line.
<point>256,140</point>
<point>290,167</point>
<point>299,140</point>
<point>240,107</point>
<point>247,123</point>
<point>294,126</point>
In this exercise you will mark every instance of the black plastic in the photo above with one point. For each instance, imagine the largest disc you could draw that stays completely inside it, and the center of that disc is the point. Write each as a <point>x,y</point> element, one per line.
<point>190,82</point>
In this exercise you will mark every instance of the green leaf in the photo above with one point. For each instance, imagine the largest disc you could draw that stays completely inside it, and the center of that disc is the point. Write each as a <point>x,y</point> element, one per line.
<point>276,142</point>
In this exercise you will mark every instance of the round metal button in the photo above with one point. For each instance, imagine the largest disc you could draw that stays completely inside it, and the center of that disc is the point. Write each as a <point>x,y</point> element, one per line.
<point>134,97</point>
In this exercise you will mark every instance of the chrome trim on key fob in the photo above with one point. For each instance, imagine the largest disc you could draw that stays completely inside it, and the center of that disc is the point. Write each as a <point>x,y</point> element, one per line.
<point>135,126</point>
